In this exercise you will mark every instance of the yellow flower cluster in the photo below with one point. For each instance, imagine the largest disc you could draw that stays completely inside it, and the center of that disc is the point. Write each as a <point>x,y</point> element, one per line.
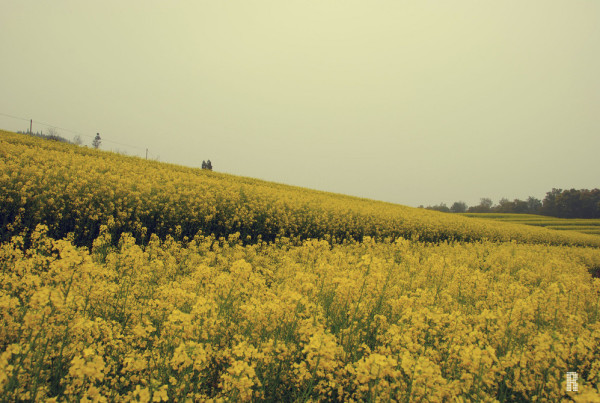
<point>109,291</point>
<point>216,320</point>
<point>75,190</point>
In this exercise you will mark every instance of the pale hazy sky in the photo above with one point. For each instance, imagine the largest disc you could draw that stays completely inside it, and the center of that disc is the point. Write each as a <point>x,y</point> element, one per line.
<point>412,102</point>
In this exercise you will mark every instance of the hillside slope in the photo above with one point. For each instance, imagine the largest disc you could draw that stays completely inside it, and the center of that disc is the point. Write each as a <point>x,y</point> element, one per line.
<point>156,317</point>
<point>75,190</point>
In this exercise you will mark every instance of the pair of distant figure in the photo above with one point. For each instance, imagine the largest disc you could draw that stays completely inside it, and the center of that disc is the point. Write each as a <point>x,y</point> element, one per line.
<point>207,165</point>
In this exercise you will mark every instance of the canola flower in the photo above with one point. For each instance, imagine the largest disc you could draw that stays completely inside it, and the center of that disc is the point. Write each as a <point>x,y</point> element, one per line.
<point>112,289</point>
<point>75,190</point>
<point>216,320</point>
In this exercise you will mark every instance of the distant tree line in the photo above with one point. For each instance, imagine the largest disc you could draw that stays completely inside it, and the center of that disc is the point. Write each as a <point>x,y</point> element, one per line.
<point>52,134</point>
<point>573,203</point>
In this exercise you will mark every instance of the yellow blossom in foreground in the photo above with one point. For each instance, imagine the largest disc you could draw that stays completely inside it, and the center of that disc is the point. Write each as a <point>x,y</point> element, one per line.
<point>342,300</point>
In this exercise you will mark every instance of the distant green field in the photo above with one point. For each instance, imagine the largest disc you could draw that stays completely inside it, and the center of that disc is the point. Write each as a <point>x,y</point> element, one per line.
<point>586,226</point>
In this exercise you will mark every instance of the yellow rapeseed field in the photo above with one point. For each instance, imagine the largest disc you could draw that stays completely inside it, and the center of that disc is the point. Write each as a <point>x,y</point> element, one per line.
<point>75,190</point>
<point>128,280</point>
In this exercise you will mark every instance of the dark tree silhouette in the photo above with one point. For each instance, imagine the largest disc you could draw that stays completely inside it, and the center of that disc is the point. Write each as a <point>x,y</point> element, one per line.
<point>97,141</point>
<point>459,207</point>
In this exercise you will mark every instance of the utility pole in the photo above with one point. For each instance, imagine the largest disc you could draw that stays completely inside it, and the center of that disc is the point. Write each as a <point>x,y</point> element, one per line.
<point>146,153</point>
<point>31,126</point>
